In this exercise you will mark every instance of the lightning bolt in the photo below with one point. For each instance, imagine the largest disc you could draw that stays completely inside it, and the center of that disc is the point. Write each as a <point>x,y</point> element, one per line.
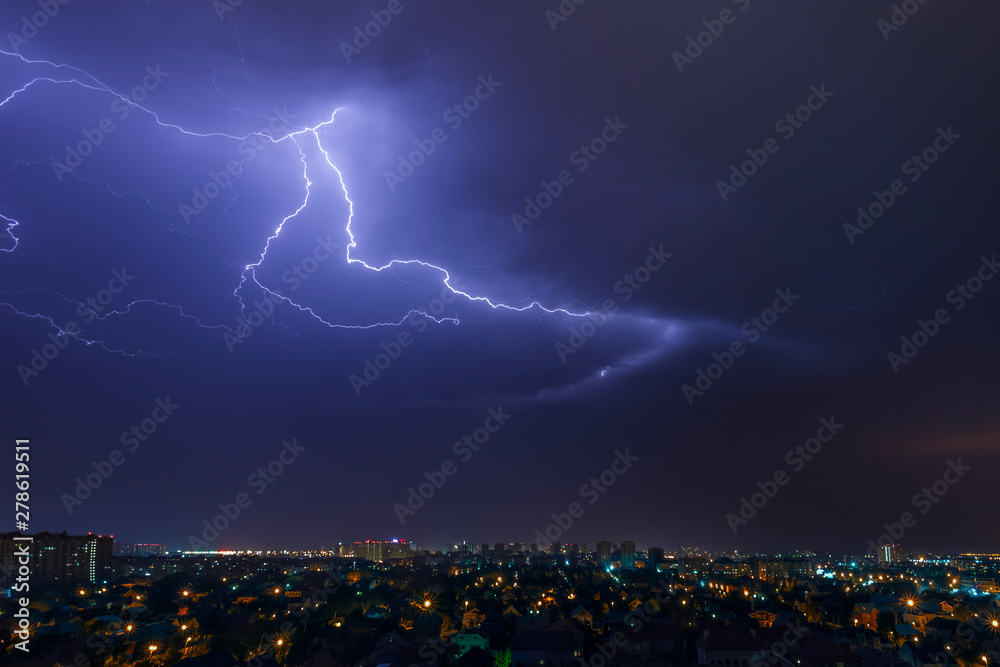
<point>885,290</point>
<point>300,137</point>
<point>9,232</point>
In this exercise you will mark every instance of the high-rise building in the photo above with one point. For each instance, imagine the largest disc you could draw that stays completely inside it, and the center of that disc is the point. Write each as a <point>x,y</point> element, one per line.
<point>378,551</point>
<point>655,555</point>
<point>556,548</point>
<point>628,555</point>
<point>58,558</point>
<point>604,552</point>
<point>893,553</point>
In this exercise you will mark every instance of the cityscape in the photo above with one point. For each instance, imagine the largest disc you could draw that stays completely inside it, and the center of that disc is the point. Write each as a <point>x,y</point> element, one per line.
<point>520,333</point>
<point>389,603</point>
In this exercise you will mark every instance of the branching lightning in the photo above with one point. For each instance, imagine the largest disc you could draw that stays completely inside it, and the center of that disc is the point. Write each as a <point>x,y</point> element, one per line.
<point>297,136</point>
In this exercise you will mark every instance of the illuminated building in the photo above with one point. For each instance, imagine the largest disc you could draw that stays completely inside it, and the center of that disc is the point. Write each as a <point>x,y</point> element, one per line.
<point>893,553</point>
<point>378,551</point>
<point>58,558</point>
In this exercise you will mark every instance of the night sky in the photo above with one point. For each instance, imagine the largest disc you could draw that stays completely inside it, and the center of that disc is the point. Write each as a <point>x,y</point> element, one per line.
<point>527,224</point>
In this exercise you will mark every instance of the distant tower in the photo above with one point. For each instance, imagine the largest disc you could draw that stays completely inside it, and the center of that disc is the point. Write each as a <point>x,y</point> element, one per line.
<point>655,556</point>
<point>604,552</point>
<point>893,553</point>
<point>628,555</point>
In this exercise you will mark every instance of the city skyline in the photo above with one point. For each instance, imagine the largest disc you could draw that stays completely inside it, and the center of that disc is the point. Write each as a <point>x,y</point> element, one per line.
<point>383,603</point>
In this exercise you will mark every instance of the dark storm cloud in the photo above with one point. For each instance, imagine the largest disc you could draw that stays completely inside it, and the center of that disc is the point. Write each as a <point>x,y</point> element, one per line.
<point>529,98</point>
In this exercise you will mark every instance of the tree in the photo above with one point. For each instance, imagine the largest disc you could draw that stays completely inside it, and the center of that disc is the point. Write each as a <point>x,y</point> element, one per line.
<point>502,659</point>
